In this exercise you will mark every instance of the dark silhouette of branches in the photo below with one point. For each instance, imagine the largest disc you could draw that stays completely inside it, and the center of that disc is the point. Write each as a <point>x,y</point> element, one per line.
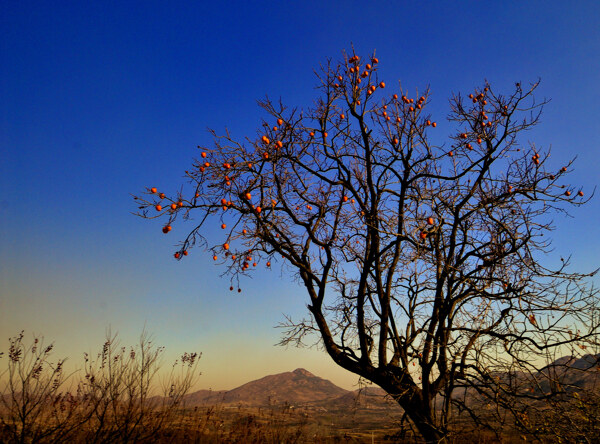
<point>425,265</point>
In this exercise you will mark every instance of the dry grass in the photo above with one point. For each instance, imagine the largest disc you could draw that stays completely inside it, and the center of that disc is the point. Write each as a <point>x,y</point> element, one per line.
<point>119,398</point>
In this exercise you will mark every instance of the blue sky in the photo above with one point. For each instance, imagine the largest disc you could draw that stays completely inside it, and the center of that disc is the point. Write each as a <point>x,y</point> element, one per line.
<point>99,100</point>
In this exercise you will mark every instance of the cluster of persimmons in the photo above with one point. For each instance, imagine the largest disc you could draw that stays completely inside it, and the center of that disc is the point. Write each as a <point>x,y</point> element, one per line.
<point>215,174</point>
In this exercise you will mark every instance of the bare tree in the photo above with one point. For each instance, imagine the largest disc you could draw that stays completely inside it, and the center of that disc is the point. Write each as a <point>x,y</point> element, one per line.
<point>33,405</point>
<point>117,401</point>
<point>120,389</point>
<point>424,265</point>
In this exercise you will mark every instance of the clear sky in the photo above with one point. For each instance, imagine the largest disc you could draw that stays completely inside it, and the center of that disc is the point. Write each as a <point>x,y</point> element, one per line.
<point>101,99</point>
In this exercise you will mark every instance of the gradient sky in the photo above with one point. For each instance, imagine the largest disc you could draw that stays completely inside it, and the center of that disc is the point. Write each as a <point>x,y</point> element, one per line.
<point>101,99</point>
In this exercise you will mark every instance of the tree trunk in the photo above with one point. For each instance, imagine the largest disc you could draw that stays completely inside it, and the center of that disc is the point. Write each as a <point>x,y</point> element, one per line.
<point>421,416</point>
<point>429,432</point>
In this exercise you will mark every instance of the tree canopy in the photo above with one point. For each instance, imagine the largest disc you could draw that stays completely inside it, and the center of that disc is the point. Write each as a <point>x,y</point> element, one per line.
<point>423,263</point>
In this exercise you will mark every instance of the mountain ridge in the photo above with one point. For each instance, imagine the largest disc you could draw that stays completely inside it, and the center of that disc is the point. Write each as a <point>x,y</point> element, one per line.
<point>295,387</point>
<point>301,387</point>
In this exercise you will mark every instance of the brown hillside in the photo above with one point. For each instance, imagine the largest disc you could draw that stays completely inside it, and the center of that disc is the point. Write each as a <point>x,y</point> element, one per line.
<point>370,398</point>
<point>205,397</point>
<point>297,387</point>
<point>301,387</point>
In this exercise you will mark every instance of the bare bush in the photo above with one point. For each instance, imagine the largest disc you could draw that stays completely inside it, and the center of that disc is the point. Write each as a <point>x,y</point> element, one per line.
<point>33,407</point>
<point>122,397</point>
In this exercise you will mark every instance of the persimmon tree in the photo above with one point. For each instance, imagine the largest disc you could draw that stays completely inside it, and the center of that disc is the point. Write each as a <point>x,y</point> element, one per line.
<point>424,264</point>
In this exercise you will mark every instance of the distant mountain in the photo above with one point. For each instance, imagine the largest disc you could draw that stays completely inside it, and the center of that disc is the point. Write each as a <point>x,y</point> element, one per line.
<point>297,387</point>
<point>370,398</point>
<point>572,373</point>
<point>205,397</point>
<point>570,362</point>
<point>302,388</point>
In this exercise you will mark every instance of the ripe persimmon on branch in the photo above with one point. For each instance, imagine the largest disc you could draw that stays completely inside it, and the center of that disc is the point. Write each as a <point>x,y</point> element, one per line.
<point>423,263</point>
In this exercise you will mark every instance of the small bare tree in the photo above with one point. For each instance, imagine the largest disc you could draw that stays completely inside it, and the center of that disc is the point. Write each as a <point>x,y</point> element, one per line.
<point>122,397</point>
<point>120,388</point>
<point>33,407</point>
<point>424,264</point>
